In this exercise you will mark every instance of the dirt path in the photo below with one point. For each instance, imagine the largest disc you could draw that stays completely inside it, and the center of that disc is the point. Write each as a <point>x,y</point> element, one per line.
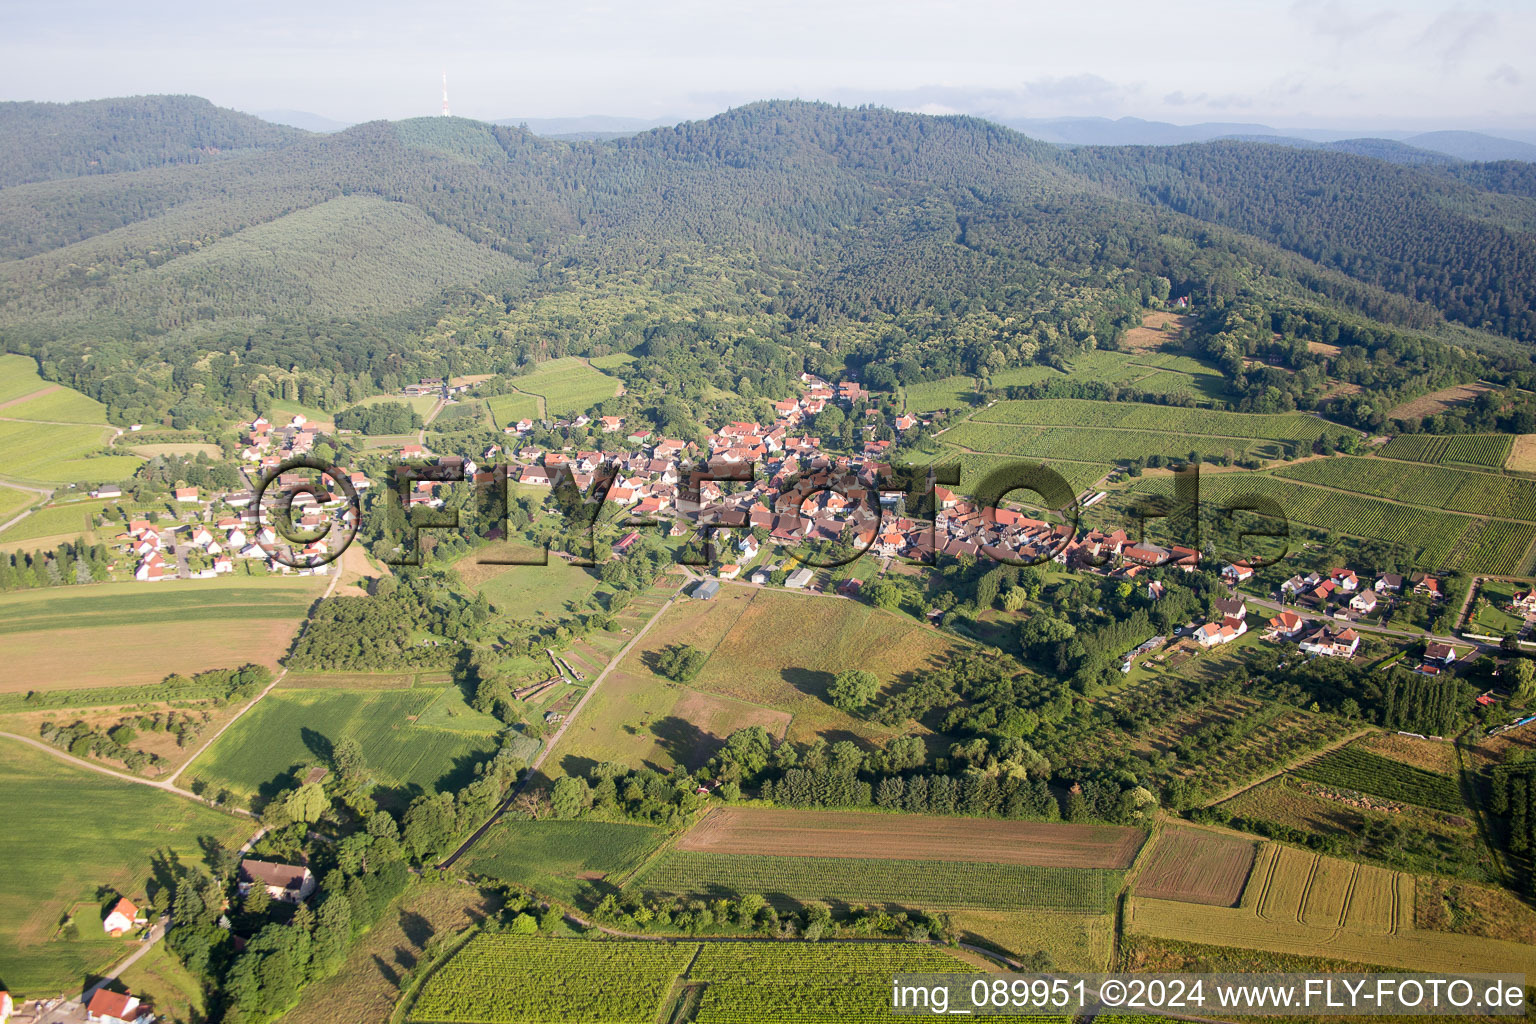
<point>167,784</point>
<point>27,398</point>
<point>543,755</point>
<point>537,399</point>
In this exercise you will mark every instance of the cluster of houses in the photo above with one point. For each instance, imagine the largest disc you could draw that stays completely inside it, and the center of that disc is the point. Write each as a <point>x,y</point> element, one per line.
<point>1344,596</point>
<point>220,540</point>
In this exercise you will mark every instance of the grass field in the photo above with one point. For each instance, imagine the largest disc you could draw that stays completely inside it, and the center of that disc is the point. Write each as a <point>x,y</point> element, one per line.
<point>18,377</point>
<point>524,591</point>
<point>774,831</point>
<point>773,656</point>
<point>367,987</point>
<point>47,431</point>
<point>953,392</point>
<point>1075,942</point>
<point>408,749</point>
<point>71,833</point>
<point>922,884</point>
<point>420,404</point>
<point>567,386</point>
<point>136,633</point>
<point>1194,866</point>
<point>13,500</point>
<point>555,857</point>
<point>149,451</point>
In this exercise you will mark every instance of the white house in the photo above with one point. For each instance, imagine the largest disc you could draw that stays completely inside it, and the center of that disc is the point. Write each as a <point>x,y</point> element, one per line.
<point>121,919</point>
<point>1365,601</point>
<point>115,1008</point>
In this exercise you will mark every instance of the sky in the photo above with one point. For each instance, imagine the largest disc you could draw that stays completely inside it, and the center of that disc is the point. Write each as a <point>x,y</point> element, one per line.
<point>1403,65</point>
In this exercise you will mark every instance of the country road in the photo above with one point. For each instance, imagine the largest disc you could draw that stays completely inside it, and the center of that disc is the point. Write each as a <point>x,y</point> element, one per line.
<point>1412,634</point>
<point>554,740</point>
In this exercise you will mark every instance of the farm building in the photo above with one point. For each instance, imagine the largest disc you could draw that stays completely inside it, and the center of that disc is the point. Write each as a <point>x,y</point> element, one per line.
<point>291,883</point>
<point>799,579</point>
<point>706,590</point>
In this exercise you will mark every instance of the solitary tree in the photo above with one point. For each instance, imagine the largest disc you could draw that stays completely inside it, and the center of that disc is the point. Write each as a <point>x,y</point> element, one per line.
<point>853,689</point>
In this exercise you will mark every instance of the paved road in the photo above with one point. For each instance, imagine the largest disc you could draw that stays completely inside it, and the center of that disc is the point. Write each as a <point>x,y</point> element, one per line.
<point>549,747</point>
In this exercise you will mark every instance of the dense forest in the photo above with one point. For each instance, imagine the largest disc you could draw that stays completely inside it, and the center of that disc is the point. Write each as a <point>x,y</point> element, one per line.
<point>182,263</point>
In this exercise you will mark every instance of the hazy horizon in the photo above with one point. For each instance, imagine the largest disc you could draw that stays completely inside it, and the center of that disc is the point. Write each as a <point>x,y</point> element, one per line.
<point>1420,65</point>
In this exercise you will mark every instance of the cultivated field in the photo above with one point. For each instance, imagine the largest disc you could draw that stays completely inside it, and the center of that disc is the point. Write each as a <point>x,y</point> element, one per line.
<point>1355,768</point>
<point>1195,866</point>
<point>1484,450</point>
<point>1436,536</point>
<point>1300,903</point>
<point>1456,490</point>
<point>512,407</point>
<point>60,453</point>
<point>69,834</point>
<point>567,386</point>
<point>783,832</point>
<point>805,983</point>
<point>138,633</point>
<point>509,979</point>
<point>1073,412</point>
<point>46,431</point>
<point>409,749</point>
<point>924,884</point>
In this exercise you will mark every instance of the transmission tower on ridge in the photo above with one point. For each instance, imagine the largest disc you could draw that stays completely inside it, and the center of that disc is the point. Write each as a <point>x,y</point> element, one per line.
<point>445,94</point>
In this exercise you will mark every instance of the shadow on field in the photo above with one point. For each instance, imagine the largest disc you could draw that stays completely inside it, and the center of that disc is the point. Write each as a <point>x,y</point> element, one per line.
<point>576,764</point>
<point>811,682</point>
<point>683,741</point>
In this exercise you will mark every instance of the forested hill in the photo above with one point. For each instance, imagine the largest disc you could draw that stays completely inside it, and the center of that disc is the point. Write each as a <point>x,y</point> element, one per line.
<point>340,264</point>
<point>44,141</point>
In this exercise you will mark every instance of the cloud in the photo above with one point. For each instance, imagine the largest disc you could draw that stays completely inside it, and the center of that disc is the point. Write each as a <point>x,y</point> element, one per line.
<point>1505,74</point>
<point>1450,36</point>
<point>1330,19</point>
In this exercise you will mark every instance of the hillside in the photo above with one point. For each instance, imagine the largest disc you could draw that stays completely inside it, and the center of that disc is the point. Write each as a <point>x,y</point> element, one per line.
<point>45,141</point>
<point>928,245</point>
